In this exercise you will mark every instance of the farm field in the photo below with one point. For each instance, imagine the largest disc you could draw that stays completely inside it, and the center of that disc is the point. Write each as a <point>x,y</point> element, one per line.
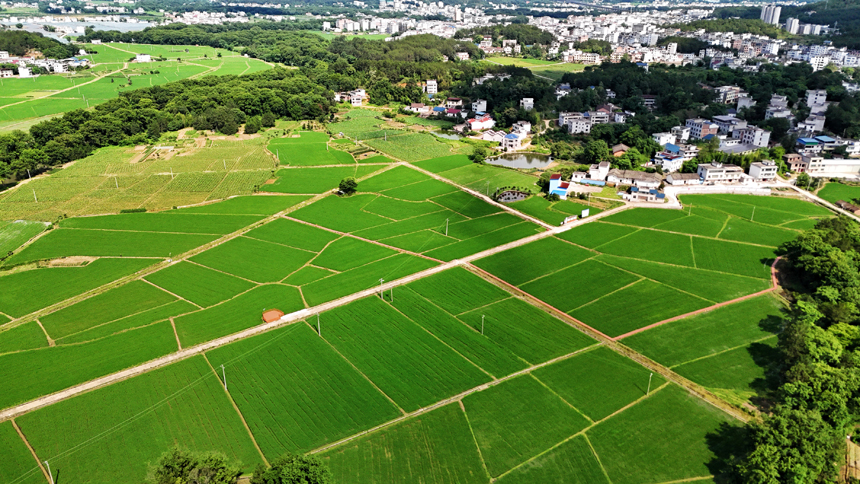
<point>411,147</point>
<point>134,422</point>
<point>33,373</point>
<point>124,178</point>
<point>18,463</point>
<point>315,180</point>
<point>834,192</point>
<point>409,210</point>
<point>731,340</point>
<point>313,396</point>
<point>308,149</point>
<point>14,234</point>
<point>523,395</point>
<point>653,275</point>
<point>23,292</point>
<point>556,71</point>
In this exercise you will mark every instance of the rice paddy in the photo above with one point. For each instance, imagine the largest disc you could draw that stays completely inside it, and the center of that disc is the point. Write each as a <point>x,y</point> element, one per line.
<point>455,377</point>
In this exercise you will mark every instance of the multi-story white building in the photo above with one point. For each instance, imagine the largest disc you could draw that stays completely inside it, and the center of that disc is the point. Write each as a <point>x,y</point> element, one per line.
<point>752,136</point>
<point>764,170</point>
<point>479,106</point>
<point>527,103</point>
<point>719,173</point>
<point>816,97</point>
<point>770,14</point>
<point>432,87</point>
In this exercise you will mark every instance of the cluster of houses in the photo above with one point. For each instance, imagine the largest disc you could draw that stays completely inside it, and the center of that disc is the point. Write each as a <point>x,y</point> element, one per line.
<point>26,64</point>
<point>645,187</point>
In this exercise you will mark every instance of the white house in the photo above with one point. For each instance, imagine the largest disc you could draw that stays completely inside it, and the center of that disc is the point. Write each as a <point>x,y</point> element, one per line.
<point>481,123</point>
<point>356,97</point>
<point>479,106</point>
<point>663,139</point>
<point>715,172</point>
<point>511,142</point>
<point>599,171</point>
<point>681,133</point>
<point>418,108</point>
<point>143,58</point>
<point>495,136</point>
<point>59,67</point>
<point>432,87</point>
<point>463,56</point>
<point>752,136</point>
<point>522,127</point>
<point>765,170</point>
<point>6,73</point>
<point>527,103</point>
<point>25,72</point>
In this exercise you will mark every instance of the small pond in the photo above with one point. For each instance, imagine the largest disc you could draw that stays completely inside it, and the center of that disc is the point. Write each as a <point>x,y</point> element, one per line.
<point>454,137</point>
<point>521,160</point>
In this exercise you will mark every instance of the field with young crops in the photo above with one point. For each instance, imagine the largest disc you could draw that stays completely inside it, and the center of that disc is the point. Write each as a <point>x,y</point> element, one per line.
<point>27,336</point>
<point>434,448</point>
<point>312,395</point>
<point>234,315</point>
<point>411,147</point>
<point>23,291</point>
<point>200,285</point>
<point>661,439</point>
<point>18,464</point>
<point>572,462</point>
<point>412,367</point>
<point>410,210</point>
<point>254,259</point>
<point>132,298</point>
<point>517,420</point>
<point>133,423</point>
<point>315,180</point>
<point>108,243</point>
<point>308,149</point>
<point>14,234</point>
<point>33,373</point>
<point>834,192</point>
<point>124,178</point>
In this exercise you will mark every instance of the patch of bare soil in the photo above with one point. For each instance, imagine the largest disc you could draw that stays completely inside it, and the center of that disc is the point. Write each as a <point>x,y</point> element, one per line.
<point>73,261</point>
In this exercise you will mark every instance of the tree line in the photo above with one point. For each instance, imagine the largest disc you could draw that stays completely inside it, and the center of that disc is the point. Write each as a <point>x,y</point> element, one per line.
<point>803,437</point>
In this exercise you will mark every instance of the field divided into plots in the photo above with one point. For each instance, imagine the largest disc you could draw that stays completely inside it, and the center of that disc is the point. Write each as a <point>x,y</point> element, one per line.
<point>531,429</point>
<point>626,272</point>
<point>125,178</point>
<point>404,208</point>
<point>729,350</point>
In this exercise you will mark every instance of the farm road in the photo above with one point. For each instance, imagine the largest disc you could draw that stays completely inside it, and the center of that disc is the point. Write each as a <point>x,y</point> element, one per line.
<point>291,318</point>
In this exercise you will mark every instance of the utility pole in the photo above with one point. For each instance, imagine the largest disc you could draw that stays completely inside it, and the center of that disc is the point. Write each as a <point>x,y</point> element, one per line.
<point>319,331</point>
<point>171,173</point>
<point>225,164</point>
<point>116,182</point>
<point>34,196</point>
<point>753,214</point>
<point>482,324</point>
<point>446,227</point>
<point>224,374</point>
<point>28,173</point>
<point>381,293</point>
<point>392,293</point>
<point>49,472</point>
<point>649,384</point>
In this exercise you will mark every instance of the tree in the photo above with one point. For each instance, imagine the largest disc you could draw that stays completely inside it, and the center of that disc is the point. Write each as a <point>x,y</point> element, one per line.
<point>182,467</point>
<point>268,120</point>
<point>596,151</point>
<point>253,125</point>
<point>479,154</point>
<point>348,186</point>
<point>294,469</point>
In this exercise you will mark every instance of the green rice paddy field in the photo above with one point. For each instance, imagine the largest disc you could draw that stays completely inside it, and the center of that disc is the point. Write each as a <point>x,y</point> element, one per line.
<point>491,386</point>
